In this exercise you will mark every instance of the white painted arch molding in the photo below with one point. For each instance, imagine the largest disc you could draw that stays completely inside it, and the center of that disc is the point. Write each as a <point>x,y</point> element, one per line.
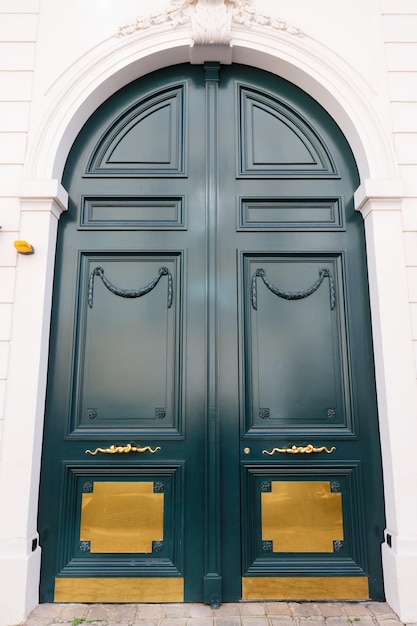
<point>75,94</point>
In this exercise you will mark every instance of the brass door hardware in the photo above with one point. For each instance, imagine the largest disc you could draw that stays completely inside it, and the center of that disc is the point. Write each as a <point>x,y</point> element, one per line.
<point>123,449</point>
<point>308,449</point>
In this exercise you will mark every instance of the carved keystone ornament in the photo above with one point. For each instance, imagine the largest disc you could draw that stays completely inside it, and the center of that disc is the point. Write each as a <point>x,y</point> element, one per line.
<point>211,20</point>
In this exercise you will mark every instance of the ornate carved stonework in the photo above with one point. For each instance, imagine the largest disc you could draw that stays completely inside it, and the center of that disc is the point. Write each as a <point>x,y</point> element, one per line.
<point>176,14</point>
<point>211,20</point>
<point>244,14</point>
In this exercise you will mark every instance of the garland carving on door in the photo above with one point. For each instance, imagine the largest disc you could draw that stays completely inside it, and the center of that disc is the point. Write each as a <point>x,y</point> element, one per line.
<point>130,293</point>
<point>291,295</point>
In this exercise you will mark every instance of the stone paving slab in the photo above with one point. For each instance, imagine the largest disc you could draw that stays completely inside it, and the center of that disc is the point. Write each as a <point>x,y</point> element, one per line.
<point>238,614</point>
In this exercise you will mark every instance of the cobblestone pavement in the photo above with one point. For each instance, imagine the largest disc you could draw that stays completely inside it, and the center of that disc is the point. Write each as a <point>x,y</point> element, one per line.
<point>242,614</point>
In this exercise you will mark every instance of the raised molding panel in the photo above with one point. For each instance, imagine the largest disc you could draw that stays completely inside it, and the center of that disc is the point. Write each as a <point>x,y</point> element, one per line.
<point>129,145</point>
<point>275,141</point>
<point>136,404</point>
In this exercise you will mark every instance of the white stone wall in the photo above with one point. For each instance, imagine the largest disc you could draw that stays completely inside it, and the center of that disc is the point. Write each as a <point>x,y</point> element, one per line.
<point>400,28</point>
<point>58,62</point>
<point>18,31</point>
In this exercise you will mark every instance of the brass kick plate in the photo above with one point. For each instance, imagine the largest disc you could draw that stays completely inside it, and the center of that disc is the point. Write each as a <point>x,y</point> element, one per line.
<point>305,588</point>
<point>119,590</point>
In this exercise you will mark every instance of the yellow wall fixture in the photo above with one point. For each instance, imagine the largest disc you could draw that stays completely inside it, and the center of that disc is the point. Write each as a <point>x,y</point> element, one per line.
<point>23,247</point>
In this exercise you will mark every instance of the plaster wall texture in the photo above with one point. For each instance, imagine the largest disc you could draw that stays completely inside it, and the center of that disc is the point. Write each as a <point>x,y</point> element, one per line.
<point>58,62</point>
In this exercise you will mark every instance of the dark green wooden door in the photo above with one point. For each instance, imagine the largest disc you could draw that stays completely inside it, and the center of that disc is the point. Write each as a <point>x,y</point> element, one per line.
<point>211,429</point>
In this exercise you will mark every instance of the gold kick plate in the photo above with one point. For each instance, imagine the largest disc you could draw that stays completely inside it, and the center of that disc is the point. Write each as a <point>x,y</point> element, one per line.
<point>119,589</point>
<point>305,588</point>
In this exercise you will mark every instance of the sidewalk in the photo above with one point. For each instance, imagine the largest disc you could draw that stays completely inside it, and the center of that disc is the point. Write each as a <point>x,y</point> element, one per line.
<point>241,614</point>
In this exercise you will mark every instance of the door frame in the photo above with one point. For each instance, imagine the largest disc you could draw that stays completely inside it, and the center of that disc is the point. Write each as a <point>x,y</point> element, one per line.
<point>90,81</point>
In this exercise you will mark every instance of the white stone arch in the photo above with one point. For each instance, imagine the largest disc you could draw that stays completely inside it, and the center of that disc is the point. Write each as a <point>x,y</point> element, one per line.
<point>305,62</point>
<point>58,117</point>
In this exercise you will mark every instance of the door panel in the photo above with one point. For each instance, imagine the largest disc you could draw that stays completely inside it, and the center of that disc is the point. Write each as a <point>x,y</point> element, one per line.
<point>122,516</point>
<point>275,140</point>
<point>128,213</point>
<point>280,214</point>
<point>302,519</point>
<point>146,138</point>
<point>301,416</point>
<point>120,456</point>
<point>211,430</point>
<point>293,366</point>
<point>140,294</point>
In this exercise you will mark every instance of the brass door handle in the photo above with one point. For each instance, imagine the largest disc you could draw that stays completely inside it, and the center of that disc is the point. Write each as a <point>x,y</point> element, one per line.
<point>299,450</point>
<point>123,449</point>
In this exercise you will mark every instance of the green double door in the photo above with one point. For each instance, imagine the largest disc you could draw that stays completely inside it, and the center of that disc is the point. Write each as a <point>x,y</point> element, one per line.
<point>211,430</point>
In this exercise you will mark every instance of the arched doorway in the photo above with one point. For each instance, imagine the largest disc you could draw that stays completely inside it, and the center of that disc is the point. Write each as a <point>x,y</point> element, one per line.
<point>211,429</point>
